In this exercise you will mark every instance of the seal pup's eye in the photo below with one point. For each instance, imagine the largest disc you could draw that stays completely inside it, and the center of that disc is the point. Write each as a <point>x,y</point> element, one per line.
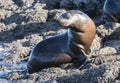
<point>66,16</point>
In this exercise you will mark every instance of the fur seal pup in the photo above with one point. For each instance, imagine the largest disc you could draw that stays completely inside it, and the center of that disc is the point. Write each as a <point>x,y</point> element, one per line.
<point>73,45</point>
<point>111,12</point>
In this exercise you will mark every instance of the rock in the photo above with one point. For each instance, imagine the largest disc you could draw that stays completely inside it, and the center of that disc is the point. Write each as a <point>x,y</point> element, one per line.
<point>24,23</point>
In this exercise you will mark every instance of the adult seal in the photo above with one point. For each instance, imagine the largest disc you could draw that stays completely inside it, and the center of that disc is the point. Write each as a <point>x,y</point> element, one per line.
<point>111,12</point>
<point>71,46</point>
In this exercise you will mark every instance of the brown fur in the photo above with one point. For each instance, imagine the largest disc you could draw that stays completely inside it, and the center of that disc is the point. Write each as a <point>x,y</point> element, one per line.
<point>64,48</point>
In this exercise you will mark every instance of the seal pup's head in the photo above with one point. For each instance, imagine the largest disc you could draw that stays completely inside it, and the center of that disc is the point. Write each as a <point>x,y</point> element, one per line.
<point>74,19</point>
<point>81,28</point>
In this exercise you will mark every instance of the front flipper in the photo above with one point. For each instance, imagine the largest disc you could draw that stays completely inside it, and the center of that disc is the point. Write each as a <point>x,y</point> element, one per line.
<point>109,21</point>
<point>109,24</point>
<point>81,61</point>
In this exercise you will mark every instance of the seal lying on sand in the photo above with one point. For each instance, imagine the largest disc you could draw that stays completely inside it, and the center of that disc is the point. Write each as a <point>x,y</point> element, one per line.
<point>73,45</point>
<point>111,12</point>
